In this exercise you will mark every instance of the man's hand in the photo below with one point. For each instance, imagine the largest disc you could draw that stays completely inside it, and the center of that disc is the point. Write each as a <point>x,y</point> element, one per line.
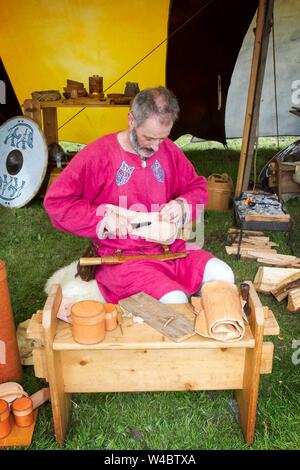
<point>117,225</point>
<point>173,211</point>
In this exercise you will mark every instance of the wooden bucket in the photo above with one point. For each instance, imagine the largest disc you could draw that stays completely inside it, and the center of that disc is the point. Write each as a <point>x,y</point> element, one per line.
<point>220,188</point>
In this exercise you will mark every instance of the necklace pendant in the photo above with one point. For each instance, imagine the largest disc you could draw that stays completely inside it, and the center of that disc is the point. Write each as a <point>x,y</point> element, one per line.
<point>144,163</point>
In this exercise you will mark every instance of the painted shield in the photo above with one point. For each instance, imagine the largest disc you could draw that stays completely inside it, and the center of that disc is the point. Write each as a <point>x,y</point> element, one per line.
<point>23,161</point>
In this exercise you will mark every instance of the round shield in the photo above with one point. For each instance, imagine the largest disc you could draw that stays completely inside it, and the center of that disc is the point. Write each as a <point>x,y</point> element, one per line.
<point>23,161</point>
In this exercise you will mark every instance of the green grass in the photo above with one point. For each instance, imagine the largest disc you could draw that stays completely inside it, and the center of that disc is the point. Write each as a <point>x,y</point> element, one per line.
<point>33,250</point>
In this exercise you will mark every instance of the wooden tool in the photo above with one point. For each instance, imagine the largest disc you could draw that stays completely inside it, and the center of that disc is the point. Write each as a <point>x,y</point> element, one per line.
<point>162,318</point>
<point>119,259</point>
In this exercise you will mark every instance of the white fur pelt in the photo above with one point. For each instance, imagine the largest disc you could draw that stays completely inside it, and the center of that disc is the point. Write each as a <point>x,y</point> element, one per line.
<point>72,286</point>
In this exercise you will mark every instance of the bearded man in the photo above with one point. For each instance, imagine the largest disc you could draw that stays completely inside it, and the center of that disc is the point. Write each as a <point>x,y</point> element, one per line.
<point>132,191</point>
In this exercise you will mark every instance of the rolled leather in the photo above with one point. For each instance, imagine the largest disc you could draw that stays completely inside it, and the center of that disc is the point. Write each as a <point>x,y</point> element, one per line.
<point>219,312</point>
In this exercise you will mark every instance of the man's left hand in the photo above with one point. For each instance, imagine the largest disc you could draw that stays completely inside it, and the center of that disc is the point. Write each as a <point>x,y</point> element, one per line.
<point>173,211</point>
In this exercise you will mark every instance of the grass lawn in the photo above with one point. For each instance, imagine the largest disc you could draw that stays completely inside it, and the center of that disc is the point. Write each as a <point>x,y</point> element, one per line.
<point>33,250</point>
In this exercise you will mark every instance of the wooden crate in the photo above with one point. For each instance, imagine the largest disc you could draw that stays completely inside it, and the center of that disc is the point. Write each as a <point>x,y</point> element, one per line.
<point>136,357</point>
<point>285,182</point>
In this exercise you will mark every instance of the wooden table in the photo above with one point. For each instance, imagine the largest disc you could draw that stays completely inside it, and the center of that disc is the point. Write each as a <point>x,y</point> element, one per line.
<point>44,113</point>
<point>139,358</point>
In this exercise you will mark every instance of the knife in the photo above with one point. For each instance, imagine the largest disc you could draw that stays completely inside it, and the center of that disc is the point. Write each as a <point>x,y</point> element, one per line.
<point>141,224</point>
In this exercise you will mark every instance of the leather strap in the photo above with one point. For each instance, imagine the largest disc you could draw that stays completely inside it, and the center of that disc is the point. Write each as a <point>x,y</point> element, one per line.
<point>9,391</point>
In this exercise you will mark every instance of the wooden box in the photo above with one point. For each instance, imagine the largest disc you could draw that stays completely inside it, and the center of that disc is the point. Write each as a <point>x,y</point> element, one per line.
<point>285,182</point>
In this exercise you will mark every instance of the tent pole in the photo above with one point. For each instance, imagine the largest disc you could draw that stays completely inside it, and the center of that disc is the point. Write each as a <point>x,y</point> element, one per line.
<point>260,50</point>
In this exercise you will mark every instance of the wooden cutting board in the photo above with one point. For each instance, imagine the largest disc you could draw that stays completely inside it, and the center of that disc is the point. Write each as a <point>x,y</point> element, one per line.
<point>19,436</point>
<point>162,318</point>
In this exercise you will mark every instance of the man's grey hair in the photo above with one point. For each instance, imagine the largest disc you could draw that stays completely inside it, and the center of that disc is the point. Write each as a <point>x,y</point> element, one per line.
<point>159,102</point>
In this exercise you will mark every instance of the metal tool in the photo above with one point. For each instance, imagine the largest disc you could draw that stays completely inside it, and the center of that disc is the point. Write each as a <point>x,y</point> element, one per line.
<point>141,224</point>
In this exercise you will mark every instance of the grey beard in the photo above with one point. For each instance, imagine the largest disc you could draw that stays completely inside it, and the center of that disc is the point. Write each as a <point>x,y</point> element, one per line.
<point>135,144</point>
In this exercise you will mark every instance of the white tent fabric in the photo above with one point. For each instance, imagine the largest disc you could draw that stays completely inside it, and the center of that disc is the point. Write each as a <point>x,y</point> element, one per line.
<point>287,59</point>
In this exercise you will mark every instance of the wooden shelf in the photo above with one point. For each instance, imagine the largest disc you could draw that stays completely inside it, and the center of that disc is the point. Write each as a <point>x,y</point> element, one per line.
<point>80,103</point>
<point>44,113</point>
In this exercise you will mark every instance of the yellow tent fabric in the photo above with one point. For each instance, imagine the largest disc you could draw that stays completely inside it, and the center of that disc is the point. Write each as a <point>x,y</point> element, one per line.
<point>43,43</point>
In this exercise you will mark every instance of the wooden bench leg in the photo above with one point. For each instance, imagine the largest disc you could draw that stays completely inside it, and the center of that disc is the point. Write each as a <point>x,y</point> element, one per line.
<point>60,401</point>
<point>247,396</point>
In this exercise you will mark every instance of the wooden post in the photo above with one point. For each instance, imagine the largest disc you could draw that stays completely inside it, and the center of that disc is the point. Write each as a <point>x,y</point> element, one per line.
<point>50,124</point>
<point>247,397</point>
<point>32,109</point>
<point>263,28</point>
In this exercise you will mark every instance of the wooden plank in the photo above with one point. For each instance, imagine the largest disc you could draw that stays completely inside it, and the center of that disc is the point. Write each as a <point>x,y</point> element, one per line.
<point>253,252</point>
<point>50,125</point>
<point>142,336</point>
<point>268,218</point>
<point>249,241</point>
<point>254,247</point>
<point>40,363</point>
<point>280,257</point>
<point>267,358</point>
<point>51,308</point>
<point>247,397</point>
<point>278,262</point>
<point>253,233</point>
<point>271,327</point>
<point>80,102</point>
<point>160,317</point>
<point>263,22</point>
<point>267,27</point>
<point>35,327</point>
<point>247,238</point>
<point>153,370</point>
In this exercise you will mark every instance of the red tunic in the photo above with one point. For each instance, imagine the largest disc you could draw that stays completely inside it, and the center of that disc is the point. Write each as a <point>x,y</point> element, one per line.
<point>104,173</point>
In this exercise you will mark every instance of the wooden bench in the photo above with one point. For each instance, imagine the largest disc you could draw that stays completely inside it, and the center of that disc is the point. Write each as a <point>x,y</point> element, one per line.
<point>135,357</point>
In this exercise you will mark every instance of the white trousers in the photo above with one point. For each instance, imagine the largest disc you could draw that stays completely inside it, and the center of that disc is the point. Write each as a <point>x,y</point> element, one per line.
<point>215,270</point>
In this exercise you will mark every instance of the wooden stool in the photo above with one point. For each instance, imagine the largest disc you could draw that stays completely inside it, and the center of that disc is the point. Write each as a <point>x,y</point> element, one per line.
<point>136,357</point>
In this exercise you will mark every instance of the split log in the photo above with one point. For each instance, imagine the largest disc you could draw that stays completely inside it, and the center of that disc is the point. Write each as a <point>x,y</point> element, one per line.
<point>281,291</point>
<point>257,241</point>
<point>253,252</point>
<point>267,278</point>
<point>280,260</point>
<point>253,233</point>
<point>294,300</point>
<point>271,326</point>
<point>252,247</point>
